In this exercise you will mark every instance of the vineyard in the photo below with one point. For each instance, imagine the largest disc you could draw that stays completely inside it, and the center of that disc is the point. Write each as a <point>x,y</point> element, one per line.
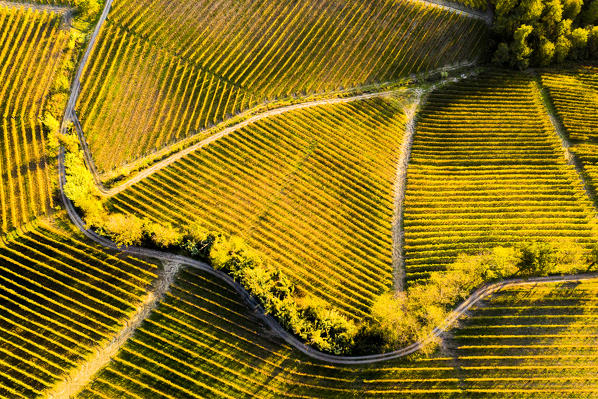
<point>574,95</point>
<point>156,89</point>
<point>311,189</point>
<point>31,44</point>
<point>385,163</point>
<point>487,169</point>
<point>202,342</point>
<point>60,298</point>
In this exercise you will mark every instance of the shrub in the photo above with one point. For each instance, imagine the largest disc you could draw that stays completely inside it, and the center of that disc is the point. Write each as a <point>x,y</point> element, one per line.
<point>163,235</point>
<point>326,328</point>
<point>124,229</point>
<point>233,255</point>
<point>53,127</point>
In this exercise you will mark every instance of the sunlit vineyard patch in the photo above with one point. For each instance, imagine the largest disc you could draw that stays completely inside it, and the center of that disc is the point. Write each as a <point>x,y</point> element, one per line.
<point>164,70</point>
<point>487,169</point>
<point>311,189</point>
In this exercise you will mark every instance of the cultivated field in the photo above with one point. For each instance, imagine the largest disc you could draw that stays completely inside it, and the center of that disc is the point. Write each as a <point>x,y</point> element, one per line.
<point>574,95</point>
<point>314,190</point>
<point>202,342</point>
<point>487,169</point>
<point>60,299</point>
<point>31,45</point>
<point>24,184</point>
<point>162,70</point>
<point>311,189</point>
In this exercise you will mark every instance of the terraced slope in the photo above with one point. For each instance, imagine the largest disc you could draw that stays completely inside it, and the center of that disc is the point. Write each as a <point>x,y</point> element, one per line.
<point>31,44</point>
<point>574,95</point>
<point>312,189</point>
<point>162,70</point>
<point>487,169</point>
<point>201,342</point>
<point>60,297</point>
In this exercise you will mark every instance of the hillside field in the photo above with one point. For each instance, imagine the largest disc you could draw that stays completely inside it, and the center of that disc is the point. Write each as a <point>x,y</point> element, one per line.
<point>156,90</point>
<point>329,199</point>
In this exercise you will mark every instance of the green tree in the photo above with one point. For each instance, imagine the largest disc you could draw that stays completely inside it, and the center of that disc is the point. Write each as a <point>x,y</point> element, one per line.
<point>572,8</point>
<point>124,230</point>
<point>546,52</point>
<point>590,15</point>
<point>593,42</point>
<point>579,43</point>
<point>520,48</point>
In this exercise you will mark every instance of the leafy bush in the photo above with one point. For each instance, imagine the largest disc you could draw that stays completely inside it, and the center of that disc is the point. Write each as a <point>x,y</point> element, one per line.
<point>540,258</point>
<point>403,318</point>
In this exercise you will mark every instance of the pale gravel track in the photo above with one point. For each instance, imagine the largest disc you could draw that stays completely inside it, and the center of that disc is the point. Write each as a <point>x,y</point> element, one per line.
<point>82,375</point>
<point>398,233</point>
<point>268,114</point>
<point>398,260</point>
<point>70,114</point>
<point>459,312</point>
<point>460,9</point>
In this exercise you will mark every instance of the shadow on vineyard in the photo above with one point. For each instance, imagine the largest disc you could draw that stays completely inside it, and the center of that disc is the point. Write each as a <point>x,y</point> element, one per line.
<point>306,199</point>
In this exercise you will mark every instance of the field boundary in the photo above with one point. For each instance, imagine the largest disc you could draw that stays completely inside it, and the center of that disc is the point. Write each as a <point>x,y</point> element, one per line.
<point>79,377</point>
<point>398,260</point>
<point>561,132</point>
<point>450,321</point>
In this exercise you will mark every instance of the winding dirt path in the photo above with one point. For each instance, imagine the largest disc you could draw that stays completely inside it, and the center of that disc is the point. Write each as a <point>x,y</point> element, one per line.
<point>461,9</point>
<point>79,377</point>
<point>275,327</point>
<point>268,114</point>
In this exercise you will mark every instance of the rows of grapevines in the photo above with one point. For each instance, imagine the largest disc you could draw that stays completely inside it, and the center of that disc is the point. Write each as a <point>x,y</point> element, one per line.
<point>574,95</point>
<point>535,342</point>
<point>25,192</point>
<point>31,44</point>
<point>203,342</point>
<point>151,97</point>
<point>46,2</point>
<point>487,169</point>
<point>312,189</point>
<point>163,70</point>
<point>60,297</point>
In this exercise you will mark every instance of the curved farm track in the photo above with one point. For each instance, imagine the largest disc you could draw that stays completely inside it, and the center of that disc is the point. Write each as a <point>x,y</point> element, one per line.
<point>172,259</point>
<point>276,328</point>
